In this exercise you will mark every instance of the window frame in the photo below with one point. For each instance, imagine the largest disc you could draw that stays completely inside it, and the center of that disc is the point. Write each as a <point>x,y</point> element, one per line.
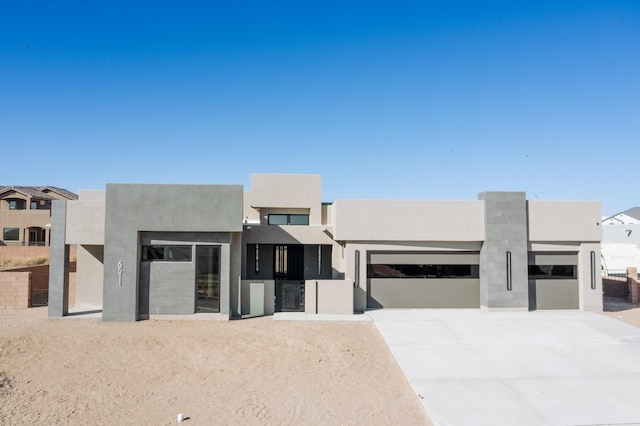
<point>166,250</point>
<point>4,234</point>
<point>288,219</point>
<point>423,271</point>
<point>550,275</point>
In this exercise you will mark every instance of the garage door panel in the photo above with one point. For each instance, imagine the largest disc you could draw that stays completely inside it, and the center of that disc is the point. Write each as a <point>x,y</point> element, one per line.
<point>423,293</point>
<point>553,259</point>
<point>554,294</point>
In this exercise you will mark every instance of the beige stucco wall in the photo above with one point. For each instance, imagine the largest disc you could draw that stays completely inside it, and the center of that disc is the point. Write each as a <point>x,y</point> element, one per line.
<point>288,191</point>
<point>564,220</point>
<point>590,298</point>
<point>86,219</point>
<point>89,275</point>
<point>249,214</point>
<point>285,234</point>
<point>383,220</point>
<point>328,297</point>
<point>24,219</point>
<point>245,296</point>
<point>327,213</point>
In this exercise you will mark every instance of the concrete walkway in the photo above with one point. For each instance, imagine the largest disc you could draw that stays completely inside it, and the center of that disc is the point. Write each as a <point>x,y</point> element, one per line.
<point>531,368</point>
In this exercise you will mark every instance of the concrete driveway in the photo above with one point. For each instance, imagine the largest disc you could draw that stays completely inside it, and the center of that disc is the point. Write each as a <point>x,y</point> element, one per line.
<point>531,368</point>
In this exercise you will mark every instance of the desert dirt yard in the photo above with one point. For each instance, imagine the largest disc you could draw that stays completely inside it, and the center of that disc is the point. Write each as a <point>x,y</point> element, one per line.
<point>254,371</point>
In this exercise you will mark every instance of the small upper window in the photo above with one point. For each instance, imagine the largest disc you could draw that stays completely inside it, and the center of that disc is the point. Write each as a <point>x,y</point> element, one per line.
<point>34,205</point>
<point>298,219</point>
<point>288,219</point>
<point>278,219</point>
<point>17,204</point>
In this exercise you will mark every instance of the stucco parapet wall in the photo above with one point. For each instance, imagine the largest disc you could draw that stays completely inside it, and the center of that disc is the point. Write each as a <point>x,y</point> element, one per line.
<point>564,220</point>
<point>382,220</point>
<point>92,195</point>
<point>279,234</point>
<point>86,218</point>
<point>175,208</point>
<point>282,191</point>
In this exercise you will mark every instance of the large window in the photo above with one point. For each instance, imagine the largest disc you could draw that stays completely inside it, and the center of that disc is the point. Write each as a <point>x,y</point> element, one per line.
<point>11,234</point>
<point>288,219</point>
<point>423,271</point>
<point>167,253</point>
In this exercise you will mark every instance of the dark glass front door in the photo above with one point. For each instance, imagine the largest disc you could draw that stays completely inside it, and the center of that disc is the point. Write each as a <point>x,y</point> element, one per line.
<point>289,277</point>
<point>207,278</point>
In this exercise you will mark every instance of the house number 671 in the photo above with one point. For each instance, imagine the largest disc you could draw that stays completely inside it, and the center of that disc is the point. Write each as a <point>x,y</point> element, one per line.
<point>120,269</point>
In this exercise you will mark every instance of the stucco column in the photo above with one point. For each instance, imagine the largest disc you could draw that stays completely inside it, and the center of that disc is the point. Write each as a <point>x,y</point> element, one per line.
<point>503,256</point>
<point>632,282</point>
<point>58,261</point>
<point>590,277</point>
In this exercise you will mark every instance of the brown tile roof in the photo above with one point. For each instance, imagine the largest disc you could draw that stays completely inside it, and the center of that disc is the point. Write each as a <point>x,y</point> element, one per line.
<point>61,191</point>
<point>41,192</point>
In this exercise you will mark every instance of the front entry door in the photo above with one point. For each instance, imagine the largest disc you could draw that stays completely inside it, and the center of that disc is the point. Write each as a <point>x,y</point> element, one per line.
<point>36,237</point>
<point>207,278</point>
<point>289,277</point>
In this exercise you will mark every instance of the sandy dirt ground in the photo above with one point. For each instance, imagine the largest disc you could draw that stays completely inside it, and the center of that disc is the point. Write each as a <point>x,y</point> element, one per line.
<point>79,371</point>
<point>82,371</point>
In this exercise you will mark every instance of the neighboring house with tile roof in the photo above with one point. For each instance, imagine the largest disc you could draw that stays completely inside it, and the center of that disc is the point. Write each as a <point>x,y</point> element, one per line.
<point>25,213</point>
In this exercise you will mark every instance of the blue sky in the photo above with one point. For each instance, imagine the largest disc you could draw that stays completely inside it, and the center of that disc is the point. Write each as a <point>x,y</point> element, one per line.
<point>418,100</point>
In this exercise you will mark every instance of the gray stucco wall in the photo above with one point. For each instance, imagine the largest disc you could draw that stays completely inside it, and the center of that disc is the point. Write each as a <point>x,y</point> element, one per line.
<point>168,295</point>
<point>132,208</point>
<point>505,227</point>
<point>168,288</point>
<point>58,261</point>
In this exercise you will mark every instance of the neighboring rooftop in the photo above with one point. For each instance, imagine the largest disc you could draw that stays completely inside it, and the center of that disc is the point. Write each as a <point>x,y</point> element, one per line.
<point>41,192</point>
<point>627,217</point>
<point>634,212</point>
